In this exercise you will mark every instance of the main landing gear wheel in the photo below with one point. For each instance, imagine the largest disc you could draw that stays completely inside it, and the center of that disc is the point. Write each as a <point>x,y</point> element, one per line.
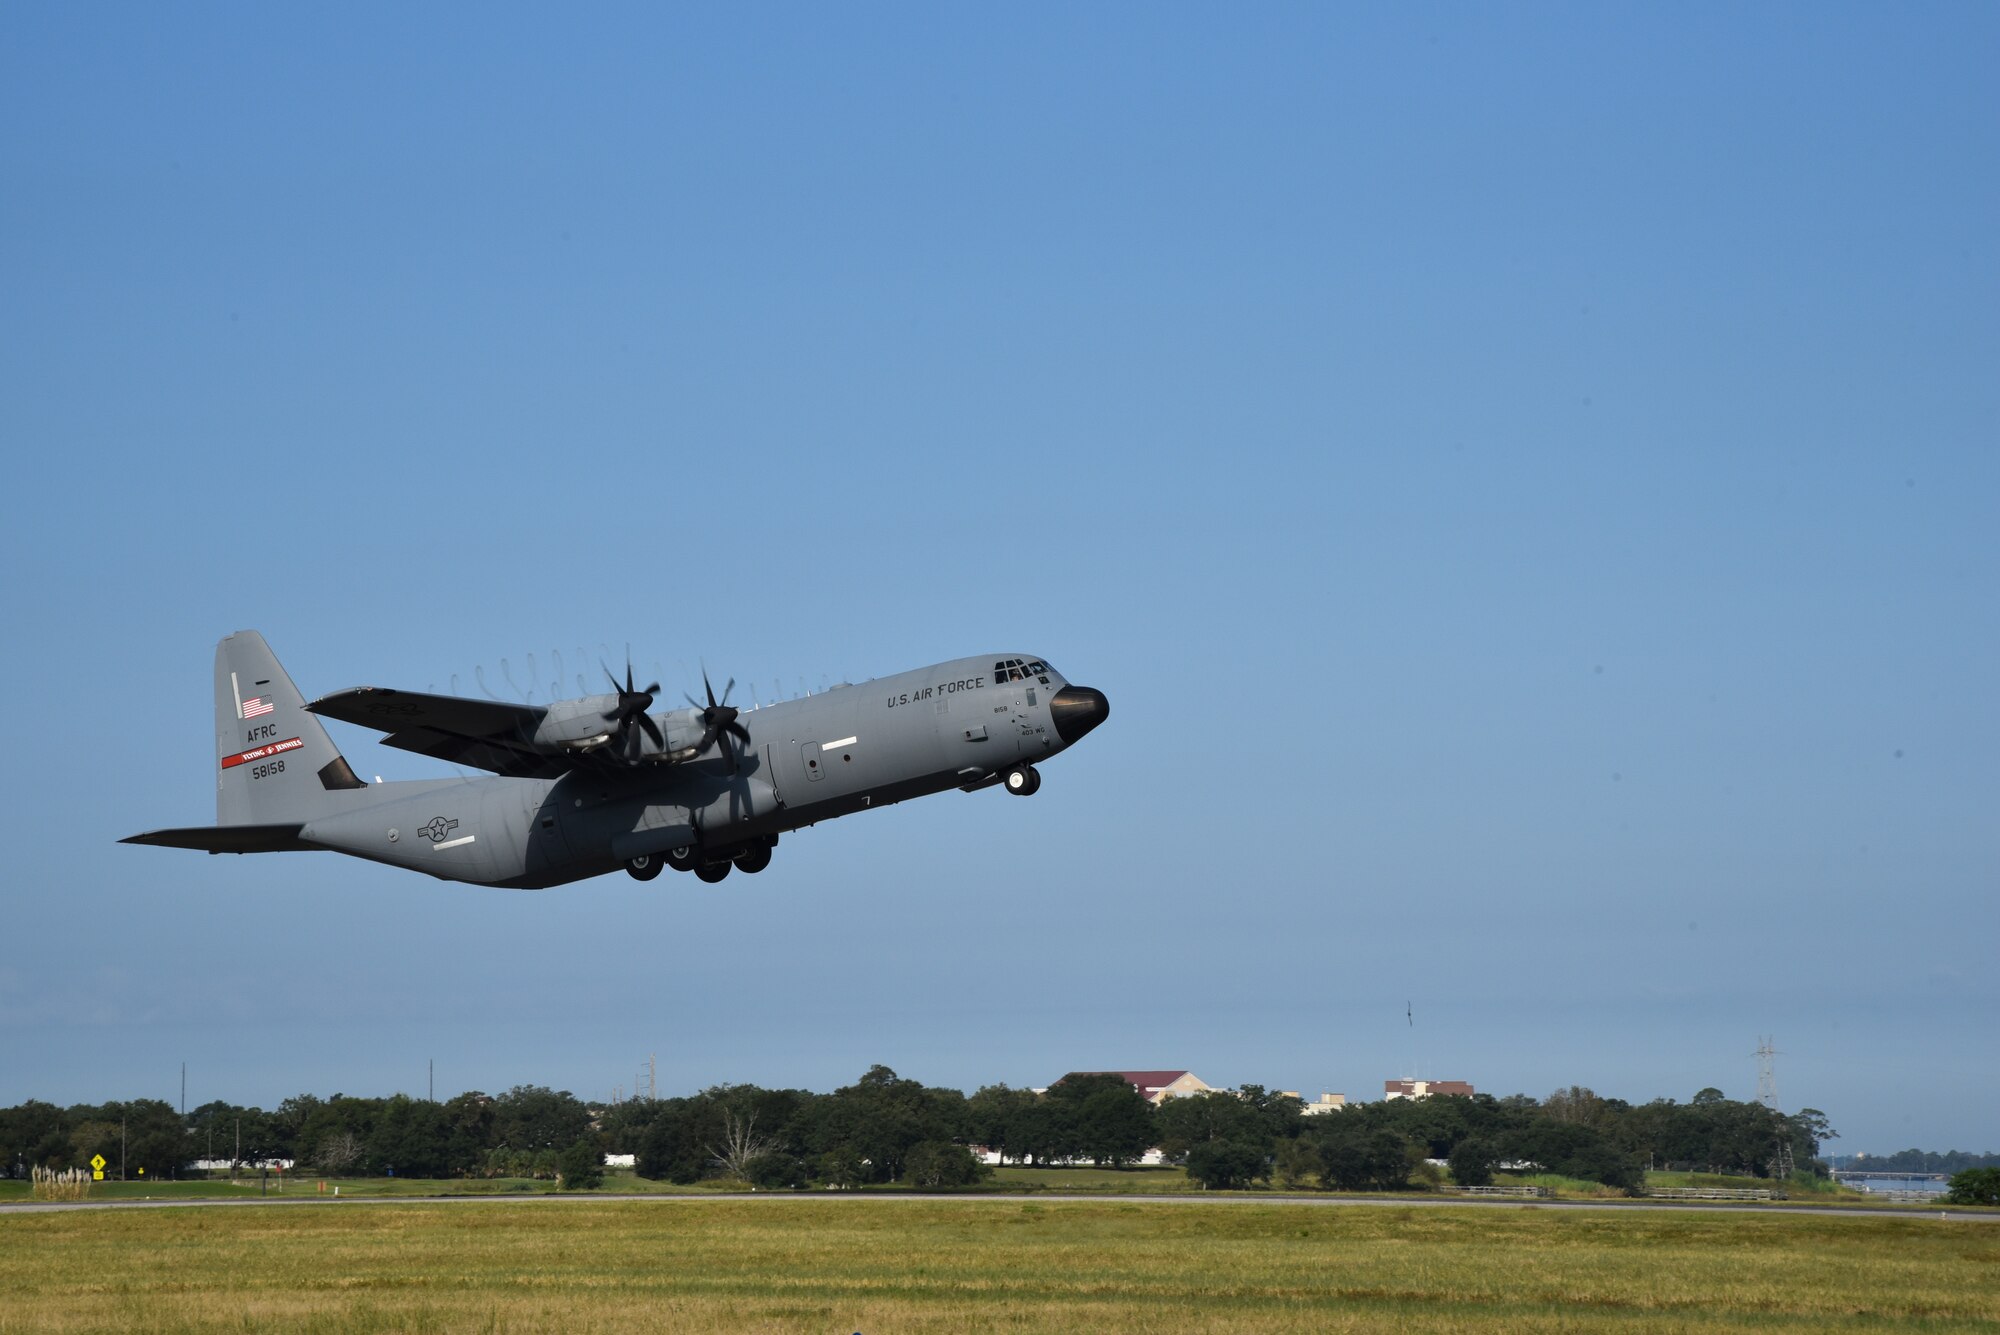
<point>1023,780</point>
<point>680,859</point>
<point>645,867</point>
<point>713,873</point>
<point>754,859</point>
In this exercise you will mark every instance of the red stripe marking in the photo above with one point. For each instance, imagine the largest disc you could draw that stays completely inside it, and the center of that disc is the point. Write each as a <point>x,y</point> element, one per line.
<point>262,752</point>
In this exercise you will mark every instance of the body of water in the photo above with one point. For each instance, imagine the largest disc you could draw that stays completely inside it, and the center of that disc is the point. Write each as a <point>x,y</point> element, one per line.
<point>1937,1184</point>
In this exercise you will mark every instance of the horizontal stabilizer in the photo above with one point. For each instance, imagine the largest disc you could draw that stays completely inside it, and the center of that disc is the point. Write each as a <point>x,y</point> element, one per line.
<point>227,838</point>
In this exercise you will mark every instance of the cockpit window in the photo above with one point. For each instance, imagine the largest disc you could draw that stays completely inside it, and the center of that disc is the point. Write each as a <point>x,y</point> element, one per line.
<point>1019,669</point>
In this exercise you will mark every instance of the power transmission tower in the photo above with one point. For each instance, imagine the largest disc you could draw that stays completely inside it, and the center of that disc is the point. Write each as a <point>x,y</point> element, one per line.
<point>1767,1094</point>
<point>646,1085</point>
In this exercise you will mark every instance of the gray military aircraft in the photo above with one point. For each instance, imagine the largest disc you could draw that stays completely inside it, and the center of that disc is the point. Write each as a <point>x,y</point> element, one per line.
<point>584,787</point>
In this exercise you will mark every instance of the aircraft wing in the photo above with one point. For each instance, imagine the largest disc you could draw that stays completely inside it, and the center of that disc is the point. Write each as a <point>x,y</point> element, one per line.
<point>484,734</point>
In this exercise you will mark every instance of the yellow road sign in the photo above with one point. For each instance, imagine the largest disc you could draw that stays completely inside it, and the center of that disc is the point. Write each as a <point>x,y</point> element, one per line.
<point>97,1174</point>
<point>97,1162</point>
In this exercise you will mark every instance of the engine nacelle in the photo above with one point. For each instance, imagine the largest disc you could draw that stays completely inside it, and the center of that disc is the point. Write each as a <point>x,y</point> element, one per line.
<point>580,725</point>
<point>577,725</point>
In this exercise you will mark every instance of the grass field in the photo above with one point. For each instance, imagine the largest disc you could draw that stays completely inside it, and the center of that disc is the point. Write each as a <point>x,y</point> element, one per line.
<point>883,1264</point>
<point>1009,1178</point>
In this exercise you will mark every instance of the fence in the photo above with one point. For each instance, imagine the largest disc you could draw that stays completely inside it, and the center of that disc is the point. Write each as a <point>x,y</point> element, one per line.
<point>1712,1193</point>
<point>1907,1196</point>
<point>1510,1189</point>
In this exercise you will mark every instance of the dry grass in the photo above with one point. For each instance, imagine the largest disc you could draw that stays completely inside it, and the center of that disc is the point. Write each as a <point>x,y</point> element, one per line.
<point>902,1265</point>
<point>67,1184</point>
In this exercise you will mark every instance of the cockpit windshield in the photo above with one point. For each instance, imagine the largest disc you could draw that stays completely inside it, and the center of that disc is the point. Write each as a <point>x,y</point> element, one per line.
<point>1020,669</point>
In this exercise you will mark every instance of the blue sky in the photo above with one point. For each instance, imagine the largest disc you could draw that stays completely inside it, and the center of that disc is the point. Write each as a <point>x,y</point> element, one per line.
<point>1525,477</point>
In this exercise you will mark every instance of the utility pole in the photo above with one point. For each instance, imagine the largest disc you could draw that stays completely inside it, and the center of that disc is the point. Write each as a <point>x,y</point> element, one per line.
<point>434,1080</point>
<point>184,1091</point>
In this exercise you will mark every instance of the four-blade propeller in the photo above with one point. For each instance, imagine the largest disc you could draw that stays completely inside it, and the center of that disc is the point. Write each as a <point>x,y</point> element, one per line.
<point>718,721</point>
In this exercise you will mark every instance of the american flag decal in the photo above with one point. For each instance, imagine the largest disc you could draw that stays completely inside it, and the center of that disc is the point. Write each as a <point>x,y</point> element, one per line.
<point>254,707</point>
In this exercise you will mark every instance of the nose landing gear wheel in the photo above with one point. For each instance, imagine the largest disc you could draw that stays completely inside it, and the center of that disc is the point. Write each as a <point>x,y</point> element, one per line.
<point>714,873</point>
<point>1023,780</point>
<point>644,867</point>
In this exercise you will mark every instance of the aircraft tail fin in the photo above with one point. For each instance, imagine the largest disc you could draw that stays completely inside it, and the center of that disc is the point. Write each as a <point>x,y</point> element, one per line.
<point>277,763</point>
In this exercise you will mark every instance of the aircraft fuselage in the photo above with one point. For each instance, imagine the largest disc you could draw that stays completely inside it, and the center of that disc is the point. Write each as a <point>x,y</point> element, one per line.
<point>849,749</point>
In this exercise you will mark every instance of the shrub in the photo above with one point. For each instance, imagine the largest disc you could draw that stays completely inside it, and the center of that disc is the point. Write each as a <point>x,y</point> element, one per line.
<point>1975,1186</point>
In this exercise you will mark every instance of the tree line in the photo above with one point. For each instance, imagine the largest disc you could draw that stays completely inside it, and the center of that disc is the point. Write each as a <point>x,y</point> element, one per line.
<point>885,1128</point>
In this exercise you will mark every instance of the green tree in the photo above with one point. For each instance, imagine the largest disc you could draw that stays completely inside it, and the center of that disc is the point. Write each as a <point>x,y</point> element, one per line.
<point>1357,1157</point>
<point>468,1120</point>
<point>1975,1186</point>
<point>877,1120</point>
<point>1039,1131</point>
<point>411,1138</point>
<point>675,1146</point>
<point>939,1163</point>
<point>840,1167</point>
<point>1283,1115</point>
<point>991,1114</point>
<point>581,1166</point>
<point>1107,1119</point>
<point>1216,1114</point>
<point>1219,1165</point>
<point>776,1171</point>
<point>1472,1162</point>
<point>624,1125</point>
<point>32,1134</point>
<point>1808,1128</point>
<point>333,1134</point>
<point>139,1134</point>
<point>534,1117</point>
<point>1295,1161</point>
<point>1574,1150</point>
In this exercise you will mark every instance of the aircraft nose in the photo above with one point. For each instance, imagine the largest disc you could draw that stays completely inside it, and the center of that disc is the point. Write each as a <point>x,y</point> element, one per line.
<point>1076,710</point>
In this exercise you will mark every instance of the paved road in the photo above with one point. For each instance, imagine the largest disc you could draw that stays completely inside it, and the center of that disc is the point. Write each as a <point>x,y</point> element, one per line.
<point>1040,1197</point>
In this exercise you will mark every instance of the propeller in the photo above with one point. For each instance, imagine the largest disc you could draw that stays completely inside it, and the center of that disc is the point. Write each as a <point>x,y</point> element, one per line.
<point>631,708</point>
<point>718,721</point>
